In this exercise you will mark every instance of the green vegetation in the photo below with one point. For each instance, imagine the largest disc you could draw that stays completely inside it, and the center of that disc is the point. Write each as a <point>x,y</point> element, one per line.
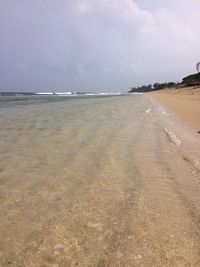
<point>192,80</point>
<point>148,88</point>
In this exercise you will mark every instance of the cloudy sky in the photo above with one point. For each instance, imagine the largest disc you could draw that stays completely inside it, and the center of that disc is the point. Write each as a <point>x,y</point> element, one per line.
<point>96,45</point>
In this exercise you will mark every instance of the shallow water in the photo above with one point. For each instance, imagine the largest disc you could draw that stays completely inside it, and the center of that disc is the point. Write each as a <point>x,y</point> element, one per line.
<point>38,133</point>
<point>92,182</point>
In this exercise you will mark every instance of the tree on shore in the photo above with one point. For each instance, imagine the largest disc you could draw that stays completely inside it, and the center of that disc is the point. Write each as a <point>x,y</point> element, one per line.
<point>198,66</point>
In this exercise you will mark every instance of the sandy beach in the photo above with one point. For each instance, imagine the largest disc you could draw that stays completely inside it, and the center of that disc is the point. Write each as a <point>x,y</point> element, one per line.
<point>185,102</point>
<point>180,108</point>
<point>96,182</point>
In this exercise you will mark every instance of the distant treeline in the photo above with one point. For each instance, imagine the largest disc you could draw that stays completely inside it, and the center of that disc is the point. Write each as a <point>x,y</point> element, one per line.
<point>150,87</point>
<point>190,80</point>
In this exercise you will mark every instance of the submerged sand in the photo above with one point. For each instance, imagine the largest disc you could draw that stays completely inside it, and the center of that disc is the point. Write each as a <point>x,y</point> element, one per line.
<point>95,183</point>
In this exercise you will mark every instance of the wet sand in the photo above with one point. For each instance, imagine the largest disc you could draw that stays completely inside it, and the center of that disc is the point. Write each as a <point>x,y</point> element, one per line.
<point>97,183</point>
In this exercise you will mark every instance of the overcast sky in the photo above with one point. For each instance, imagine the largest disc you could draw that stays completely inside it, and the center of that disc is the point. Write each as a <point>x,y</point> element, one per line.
<point>96,45</point>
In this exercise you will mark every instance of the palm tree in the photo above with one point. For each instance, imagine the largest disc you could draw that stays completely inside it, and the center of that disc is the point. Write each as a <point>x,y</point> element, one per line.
<point>198,66</point>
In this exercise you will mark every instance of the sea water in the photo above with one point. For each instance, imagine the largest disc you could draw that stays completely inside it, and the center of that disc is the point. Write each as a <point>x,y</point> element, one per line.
<point>51,149</point>
<point>40,135</point>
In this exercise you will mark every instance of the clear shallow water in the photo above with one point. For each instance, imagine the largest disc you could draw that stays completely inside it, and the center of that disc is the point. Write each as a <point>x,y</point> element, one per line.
<point>92,182</point>
<point>43,137</point>
<point>51,149</point>
<point>36,121</point>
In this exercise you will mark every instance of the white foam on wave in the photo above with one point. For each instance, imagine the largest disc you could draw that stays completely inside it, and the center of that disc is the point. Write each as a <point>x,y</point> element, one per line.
<point>131,125</point>
<point>172,137</point>
<point>148,110</point>
<point>63,93</point>
<point>44,93</point>
<point>164,112</point>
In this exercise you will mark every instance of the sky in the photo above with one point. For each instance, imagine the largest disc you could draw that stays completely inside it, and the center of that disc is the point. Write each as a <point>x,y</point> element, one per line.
<point>96,45</point>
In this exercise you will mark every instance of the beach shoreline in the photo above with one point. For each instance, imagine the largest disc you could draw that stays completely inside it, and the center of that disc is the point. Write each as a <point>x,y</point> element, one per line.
<point>179,110</point>
<point>185,102</point>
